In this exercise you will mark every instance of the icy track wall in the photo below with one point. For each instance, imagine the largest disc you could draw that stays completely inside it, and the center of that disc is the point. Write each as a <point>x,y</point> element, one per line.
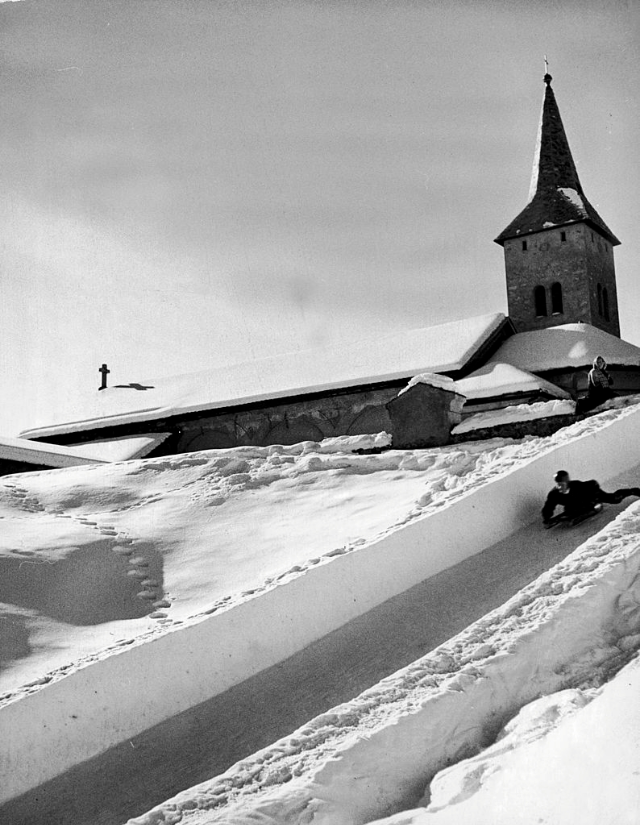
<point>382,757</point>
<point>80,715</point>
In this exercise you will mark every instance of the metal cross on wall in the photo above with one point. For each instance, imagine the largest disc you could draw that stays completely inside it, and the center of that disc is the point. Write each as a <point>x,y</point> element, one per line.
<point>103,369</point>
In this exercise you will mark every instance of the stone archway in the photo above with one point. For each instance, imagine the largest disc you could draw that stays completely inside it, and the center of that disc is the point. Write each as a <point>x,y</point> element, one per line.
<point>292,432</point>
<point>370,420</point>
<point>209,440</point>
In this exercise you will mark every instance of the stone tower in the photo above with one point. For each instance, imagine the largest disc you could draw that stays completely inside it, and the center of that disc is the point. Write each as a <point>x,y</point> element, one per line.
<point>559,252</point>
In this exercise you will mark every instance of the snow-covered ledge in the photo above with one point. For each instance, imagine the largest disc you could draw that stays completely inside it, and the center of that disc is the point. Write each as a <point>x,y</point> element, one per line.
<point>118,697</point>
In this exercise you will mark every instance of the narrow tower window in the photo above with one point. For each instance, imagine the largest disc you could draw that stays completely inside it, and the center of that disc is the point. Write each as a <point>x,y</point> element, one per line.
<point>563,236</point>
<point>605,304</point>
<point>556,299</point>
<point>540,301</point>
<point>524,246</point>
<point>600,299</point>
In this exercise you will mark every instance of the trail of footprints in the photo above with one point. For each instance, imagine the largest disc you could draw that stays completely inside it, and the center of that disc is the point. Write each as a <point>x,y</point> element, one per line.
<point>20,499</point>
<point>123,546</point>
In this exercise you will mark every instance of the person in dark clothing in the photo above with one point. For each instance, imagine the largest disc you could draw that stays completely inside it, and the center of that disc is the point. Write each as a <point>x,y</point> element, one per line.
<point>599,383</point>
<point>578,498</point>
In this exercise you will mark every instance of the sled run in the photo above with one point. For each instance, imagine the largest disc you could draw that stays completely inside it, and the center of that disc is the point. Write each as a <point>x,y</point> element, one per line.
<point>249,672</point>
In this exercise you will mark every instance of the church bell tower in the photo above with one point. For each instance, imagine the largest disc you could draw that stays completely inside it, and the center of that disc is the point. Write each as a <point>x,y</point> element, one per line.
<point>558,251</point>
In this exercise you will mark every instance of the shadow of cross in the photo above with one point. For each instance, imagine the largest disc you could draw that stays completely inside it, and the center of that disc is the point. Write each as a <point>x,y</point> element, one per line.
<point>135,386</point>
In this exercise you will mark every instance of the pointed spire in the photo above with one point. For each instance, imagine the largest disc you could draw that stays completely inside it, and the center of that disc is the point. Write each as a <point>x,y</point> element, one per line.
<point>553,164</point>
<point>556,197</point>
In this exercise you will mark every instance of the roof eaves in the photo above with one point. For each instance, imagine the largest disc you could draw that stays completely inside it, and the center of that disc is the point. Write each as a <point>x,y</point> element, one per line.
<point>509,233</point>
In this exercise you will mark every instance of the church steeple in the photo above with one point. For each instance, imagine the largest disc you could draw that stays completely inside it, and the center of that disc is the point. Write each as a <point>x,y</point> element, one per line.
<point>555,195</point>
<point>558,250</point>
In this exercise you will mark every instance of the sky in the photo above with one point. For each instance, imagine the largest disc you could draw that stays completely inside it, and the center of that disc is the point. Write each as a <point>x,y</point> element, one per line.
<point>191,184</point>
<point>358,653</point>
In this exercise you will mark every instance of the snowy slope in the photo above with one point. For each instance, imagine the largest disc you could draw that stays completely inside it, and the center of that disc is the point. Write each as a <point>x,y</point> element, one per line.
<point>192,532</point>
<point>562,637</point>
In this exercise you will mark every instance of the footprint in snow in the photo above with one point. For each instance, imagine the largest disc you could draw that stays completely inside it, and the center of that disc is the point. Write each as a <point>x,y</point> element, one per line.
<point>139,561</point>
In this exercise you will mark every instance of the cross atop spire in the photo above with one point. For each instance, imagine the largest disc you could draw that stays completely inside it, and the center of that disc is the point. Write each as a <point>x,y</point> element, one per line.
<point>556,197</point>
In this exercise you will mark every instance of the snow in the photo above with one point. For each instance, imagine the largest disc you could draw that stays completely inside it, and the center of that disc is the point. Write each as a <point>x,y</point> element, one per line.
<point>579,740</point>
<point>91,452</point>
<point>20,449</point>
<point>222,532</point>
<point>566,345</point>
<point>571,630</point>
<point>443,382</point>
<point>513,414</point>
<point>120,449</point>
<point>497,378</point>
<point>573,197</point>
<point>441,348</point>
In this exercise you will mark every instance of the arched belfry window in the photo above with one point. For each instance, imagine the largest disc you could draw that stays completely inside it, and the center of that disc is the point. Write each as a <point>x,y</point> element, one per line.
<point>556,299</point>
<point>605,304</point>
<point>600,310</point>
<point>540,301</point>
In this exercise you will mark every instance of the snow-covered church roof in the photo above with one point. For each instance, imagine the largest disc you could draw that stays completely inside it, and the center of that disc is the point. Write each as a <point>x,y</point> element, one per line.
<point>437,349</point>
<point>497,378</point>
<point>572,346</point>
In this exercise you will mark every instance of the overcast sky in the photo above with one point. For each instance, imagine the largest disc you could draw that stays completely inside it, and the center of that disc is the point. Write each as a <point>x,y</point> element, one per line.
<point>189,183</point>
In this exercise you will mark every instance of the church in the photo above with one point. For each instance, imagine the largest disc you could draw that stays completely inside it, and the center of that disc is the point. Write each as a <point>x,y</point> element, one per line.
<point>562,313</point>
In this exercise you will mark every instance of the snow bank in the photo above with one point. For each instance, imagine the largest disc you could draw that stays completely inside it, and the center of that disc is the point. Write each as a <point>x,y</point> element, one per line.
<point>573,628</point>
<point>514,413</point>
<point>97,706</point>
<point>573,756</point>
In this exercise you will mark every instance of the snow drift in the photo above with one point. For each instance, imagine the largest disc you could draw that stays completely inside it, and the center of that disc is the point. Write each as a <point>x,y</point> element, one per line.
<point>97,703</point>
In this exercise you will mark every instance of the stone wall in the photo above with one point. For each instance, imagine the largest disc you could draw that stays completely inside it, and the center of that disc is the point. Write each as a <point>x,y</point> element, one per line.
<point>309,419</point>
<point>423,416</point>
